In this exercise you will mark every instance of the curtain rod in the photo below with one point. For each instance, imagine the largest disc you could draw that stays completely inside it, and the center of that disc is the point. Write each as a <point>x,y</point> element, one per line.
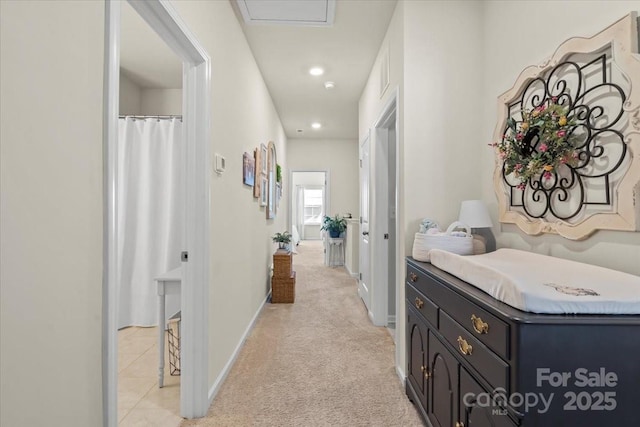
<point>168,117</point>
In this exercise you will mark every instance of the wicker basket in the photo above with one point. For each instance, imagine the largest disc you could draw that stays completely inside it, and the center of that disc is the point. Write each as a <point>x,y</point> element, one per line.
<point>282,264</point>
<point>283,290</point>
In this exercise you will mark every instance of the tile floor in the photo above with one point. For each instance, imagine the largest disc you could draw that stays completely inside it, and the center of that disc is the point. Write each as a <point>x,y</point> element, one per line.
<point>140,401</point>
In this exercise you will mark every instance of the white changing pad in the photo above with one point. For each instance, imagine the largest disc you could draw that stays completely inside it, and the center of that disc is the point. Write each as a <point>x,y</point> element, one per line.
<point>544,284</point>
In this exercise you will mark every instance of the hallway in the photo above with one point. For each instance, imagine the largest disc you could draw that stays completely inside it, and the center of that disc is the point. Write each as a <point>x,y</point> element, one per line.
<point>317,362</point>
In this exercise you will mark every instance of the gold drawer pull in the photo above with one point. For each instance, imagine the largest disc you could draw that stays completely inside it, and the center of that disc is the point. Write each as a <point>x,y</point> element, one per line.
<point>478,325</point>
<point>459,424</point>
<point>427,374</point>
<point>422,368</point>
<point>419,303</point>
<point>413,277</point>
<point>464,346</point>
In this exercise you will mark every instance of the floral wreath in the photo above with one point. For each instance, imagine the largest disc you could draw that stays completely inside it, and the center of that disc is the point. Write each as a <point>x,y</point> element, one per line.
<point>527,158</point>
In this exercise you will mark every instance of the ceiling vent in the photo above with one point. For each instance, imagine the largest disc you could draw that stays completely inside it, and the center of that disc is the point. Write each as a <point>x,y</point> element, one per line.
<point>315,13</point>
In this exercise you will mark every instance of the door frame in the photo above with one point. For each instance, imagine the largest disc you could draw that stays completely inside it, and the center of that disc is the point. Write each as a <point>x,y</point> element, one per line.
<point>379,215</point>
<point>327,192</point>
<point>165,21</point>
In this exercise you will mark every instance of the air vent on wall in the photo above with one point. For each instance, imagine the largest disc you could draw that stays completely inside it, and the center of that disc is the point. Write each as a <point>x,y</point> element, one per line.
<point>288,12</point>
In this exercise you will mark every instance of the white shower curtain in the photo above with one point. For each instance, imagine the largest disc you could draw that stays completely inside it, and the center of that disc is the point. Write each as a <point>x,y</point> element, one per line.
<point>150,212</point>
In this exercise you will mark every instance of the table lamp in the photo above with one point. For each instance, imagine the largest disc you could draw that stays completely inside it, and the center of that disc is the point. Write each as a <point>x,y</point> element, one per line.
<point>475,214</point>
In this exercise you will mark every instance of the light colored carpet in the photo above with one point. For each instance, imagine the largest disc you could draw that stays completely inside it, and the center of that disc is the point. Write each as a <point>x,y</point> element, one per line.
<point>317,362</point>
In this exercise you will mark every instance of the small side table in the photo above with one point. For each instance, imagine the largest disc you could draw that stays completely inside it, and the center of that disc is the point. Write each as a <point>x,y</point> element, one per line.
<point>336,251</point>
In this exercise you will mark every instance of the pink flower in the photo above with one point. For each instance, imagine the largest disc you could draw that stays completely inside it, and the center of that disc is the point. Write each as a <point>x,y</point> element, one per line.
<point>519,136</point>
<point>554,99</point>
<point>518,167</point>
<point>521,186</point>
<point>543,147</point>
<point>547,175</point>
<point>561,133</point>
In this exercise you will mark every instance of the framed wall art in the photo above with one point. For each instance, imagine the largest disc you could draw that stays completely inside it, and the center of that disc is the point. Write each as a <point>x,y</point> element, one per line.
<point>248,169</point>
<point>256,185</point>
<point>264,188</point>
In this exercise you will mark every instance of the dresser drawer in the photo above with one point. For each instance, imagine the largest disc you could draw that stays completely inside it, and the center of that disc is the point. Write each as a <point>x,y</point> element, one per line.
<point>424,305</point>
<point>490,366</point>
<point>484,326</point>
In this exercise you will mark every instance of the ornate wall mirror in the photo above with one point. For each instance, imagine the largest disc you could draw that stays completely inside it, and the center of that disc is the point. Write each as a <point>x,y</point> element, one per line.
<point>568,138</point>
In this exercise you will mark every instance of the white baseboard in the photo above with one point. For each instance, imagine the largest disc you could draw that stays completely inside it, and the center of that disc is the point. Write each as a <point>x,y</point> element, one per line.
<point>352,274</point>
<point>215,388</point>
<point>391,318</point>
<point>401,375</point>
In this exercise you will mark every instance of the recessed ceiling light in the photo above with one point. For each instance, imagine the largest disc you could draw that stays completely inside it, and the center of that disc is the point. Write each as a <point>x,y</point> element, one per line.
<point>329,85</point>
<point>316,125</point>
<point>299,130</point>
<point>316,71</point>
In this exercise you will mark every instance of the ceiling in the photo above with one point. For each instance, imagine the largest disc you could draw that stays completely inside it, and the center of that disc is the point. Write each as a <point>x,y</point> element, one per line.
<point>284,52</point>
<point>346,51</point>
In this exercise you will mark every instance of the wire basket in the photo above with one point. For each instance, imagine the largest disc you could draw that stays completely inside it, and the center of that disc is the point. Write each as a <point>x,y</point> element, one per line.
<point>173,336</point>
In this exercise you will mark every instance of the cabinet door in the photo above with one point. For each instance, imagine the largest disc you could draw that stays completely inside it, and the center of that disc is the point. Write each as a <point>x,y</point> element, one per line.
<point>476,407</point>
<point>417,353</point>
<point>443,384</point>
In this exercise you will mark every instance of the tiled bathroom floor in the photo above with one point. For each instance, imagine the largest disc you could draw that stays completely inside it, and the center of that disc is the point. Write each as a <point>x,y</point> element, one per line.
<point>140,401</point>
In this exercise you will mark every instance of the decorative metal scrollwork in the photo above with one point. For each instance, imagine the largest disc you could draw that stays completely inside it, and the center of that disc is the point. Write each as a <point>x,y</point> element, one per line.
<point>597,185</point>
<point>597,109</point>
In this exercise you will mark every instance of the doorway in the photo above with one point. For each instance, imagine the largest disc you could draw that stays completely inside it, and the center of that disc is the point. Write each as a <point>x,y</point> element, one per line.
<point>150,208</point>
<point>164,21</point>
<point>309,203</point>
<point>378,286</point>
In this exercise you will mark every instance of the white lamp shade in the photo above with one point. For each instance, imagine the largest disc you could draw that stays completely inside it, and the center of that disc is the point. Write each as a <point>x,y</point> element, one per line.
<point>475,214</point>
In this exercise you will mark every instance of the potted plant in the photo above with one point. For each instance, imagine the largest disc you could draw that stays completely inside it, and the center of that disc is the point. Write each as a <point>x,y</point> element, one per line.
<point>334,226</point>
<point>282,239</point>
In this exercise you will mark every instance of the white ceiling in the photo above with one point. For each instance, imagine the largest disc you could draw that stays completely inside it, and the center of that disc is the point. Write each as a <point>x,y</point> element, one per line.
<point>345,50</point>
<point>284,53</point>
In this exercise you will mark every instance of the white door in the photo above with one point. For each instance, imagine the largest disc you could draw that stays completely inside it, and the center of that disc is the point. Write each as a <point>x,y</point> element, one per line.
<point>364,285</point>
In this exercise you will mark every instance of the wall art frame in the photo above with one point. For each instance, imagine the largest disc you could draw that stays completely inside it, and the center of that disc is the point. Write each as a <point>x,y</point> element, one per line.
<point>248,170</point>
<point>621,199</point>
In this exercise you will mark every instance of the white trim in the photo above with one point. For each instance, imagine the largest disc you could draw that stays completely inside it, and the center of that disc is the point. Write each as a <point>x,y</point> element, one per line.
<point>354,275</point>
<point>109,225</point>
<point>215,388</point>
<point>166,22</point>
<point>401,374</point>
<point>391,318</point>
<point>379,211</point>
<point>400,249</point>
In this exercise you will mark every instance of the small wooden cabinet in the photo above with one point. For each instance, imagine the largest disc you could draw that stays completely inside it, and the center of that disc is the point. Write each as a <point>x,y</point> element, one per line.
<point>470,357</point>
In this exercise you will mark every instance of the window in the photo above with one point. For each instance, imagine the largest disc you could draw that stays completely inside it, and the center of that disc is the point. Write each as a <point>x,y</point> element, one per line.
<point>313,207</point>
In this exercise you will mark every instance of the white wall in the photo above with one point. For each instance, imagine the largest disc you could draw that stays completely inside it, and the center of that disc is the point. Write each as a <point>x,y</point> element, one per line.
<point>340,158</point>
<point>130,97</point>
<point>243,116</point>
<point>503,62</point>
<point>161,102</point>
<point>435,56</point>
<point>138,101</point>
<point>51,219</point>
<point>51,82</point>
<point>449,62</point>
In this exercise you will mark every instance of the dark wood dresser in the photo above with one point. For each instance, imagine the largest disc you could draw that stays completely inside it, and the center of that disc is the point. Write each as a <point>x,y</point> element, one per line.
<point>473,361</point>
